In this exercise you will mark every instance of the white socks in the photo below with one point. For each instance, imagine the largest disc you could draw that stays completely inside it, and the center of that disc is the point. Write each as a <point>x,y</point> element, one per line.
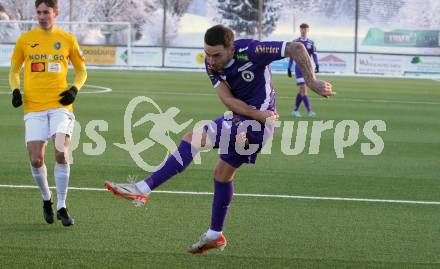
<point>212,235</point>
<point>143,187</point>
<point>61,173</point>
<point>40,177</point>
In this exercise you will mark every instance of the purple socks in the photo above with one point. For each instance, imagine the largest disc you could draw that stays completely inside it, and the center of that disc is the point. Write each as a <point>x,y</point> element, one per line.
<point>298,101</point>
<point>172,166</point>
<point>305,99</point>
<point>223,192</point>
<point>307,103</point>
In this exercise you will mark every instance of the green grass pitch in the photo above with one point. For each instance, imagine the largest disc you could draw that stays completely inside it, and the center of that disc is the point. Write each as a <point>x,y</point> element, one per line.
<point>262,232</point>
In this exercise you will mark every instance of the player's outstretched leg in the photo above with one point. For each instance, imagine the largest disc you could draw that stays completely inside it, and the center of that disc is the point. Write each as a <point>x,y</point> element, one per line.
<point>138,193</point>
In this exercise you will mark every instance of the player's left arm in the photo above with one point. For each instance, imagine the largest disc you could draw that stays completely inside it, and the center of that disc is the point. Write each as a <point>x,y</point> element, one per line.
<point>79,67</point>
<point>298,52</point>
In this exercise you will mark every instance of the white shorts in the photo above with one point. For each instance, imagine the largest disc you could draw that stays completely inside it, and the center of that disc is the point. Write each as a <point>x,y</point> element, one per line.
<point>42,125</point>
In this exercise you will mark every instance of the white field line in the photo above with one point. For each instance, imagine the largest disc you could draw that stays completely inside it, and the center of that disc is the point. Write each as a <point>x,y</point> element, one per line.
<point>100,89</point>
<point>299,197</point>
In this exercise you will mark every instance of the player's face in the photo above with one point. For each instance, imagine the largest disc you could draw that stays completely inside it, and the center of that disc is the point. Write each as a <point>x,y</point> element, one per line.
<point>46,16</point>
<point>304,32</point>
<point>218,56</point>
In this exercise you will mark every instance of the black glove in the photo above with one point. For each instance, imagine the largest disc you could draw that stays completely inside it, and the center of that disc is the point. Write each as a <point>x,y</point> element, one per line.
<point>16,98</point>
<point>68,96</point>
<point>317,68</point>
<point>289,73</point>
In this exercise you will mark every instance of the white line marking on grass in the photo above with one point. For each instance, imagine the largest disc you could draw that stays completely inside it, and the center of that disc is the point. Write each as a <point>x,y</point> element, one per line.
<point>314,98</point>
<point>100,89</point>
<point>299,197</point>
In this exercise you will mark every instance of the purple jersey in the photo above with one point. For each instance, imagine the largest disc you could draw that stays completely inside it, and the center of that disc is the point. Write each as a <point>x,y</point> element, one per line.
<point>248,74</point>
<point>310,47</point>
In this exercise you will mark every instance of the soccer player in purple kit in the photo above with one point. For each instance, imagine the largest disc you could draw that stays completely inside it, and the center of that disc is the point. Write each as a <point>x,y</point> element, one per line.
<point>300,82</point>
<point>240,72</point>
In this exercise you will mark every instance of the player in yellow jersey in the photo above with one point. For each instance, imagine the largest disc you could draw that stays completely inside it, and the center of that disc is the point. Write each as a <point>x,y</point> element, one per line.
<point>45,51</point>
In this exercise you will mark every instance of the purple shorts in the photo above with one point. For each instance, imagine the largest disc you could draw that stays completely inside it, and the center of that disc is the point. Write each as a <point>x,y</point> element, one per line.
<point>239,138</point>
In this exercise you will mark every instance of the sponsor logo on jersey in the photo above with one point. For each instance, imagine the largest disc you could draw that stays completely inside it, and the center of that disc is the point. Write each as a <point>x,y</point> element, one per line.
<point>266,49</point>
<point>49,57</point>
<point>34,45</point>
<point>38,67</point>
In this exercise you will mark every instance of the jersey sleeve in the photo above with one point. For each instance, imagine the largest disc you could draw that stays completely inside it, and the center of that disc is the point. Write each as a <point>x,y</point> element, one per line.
<point>266,52</point>
<point>16,64</point>
<point>214,76</point>
<point>78,62</point>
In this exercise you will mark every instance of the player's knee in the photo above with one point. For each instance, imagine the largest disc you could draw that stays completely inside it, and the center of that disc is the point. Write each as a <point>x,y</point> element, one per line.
<point>60,157</point>
<point>37,162</point>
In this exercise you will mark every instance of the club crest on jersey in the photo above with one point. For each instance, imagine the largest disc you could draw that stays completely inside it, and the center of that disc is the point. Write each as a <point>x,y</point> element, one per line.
<point>247,75</point>
<point>57,45</point>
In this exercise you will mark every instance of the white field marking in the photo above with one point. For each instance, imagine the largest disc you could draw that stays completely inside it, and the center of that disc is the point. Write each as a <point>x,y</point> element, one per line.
<point>100,89</point>
<point>313,98</point>
<point>299,197</point>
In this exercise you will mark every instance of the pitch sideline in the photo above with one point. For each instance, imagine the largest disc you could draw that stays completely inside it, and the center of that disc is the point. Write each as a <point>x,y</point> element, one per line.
<point>277,196</point>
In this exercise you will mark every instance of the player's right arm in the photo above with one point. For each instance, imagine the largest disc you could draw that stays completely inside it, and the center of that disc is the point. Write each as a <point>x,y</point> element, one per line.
<point>14,73</point>
<point>239,107</point>
<point>298,52</point>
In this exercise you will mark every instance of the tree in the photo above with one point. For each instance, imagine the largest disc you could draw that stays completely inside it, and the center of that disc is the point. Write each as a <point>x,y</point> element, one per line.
<point>242,16</point>
<point>132,11</point>
<point>19,9</point>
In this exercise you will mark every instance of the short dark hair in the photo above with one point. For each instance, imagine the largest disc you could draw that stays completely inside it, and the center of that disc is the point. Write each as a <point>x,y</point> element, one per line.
<point>219,35</point>
<point>49,3</point>
<point>304,25</point>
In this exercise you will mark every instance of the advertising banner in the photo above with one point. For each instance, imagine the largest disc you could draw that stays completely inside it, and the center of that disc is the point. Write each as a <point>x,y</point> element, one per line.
<point>6,54</point>
<point>146,56</point>
<point>380,64</point>
<point>422,64</point>
<point>99,55</point>
<point>188,58</point>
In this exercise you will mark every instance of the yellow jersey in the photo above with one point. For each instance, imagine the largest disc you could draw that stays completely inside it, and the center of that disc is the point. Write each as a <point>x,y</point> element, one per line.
<point>45,54</point>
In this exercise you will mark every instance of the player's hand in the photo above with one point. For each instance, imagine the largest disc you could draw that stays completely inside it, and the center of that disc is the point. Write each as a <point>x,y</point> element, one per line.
<point>68,96</point>
<point>266,116</point>
<point>16,98</point>
<point>322,88</point>
<point>289,73</point>
<point>317,68</point>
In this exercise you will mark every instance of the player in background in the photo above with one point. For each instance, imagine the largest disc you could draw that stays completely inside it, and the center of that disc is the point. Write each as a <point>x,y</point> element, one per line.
<point>45,51</point>
<point>240,73</point>
<point>300,82</point>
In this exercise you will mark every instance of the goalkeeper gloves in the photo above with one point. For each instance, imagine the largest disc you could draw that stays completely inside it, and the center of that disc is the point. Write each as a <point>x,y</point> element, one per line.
<point>68,96</point>
<point>289,73</point>
<point>16,98</point>
<point>317,68</point>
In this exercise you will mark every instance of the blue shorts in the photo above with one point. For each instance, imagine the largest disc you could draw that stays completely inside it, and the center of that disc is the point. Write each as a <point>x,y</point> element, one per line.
<point>239,138</point>
<point>299,76</point>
